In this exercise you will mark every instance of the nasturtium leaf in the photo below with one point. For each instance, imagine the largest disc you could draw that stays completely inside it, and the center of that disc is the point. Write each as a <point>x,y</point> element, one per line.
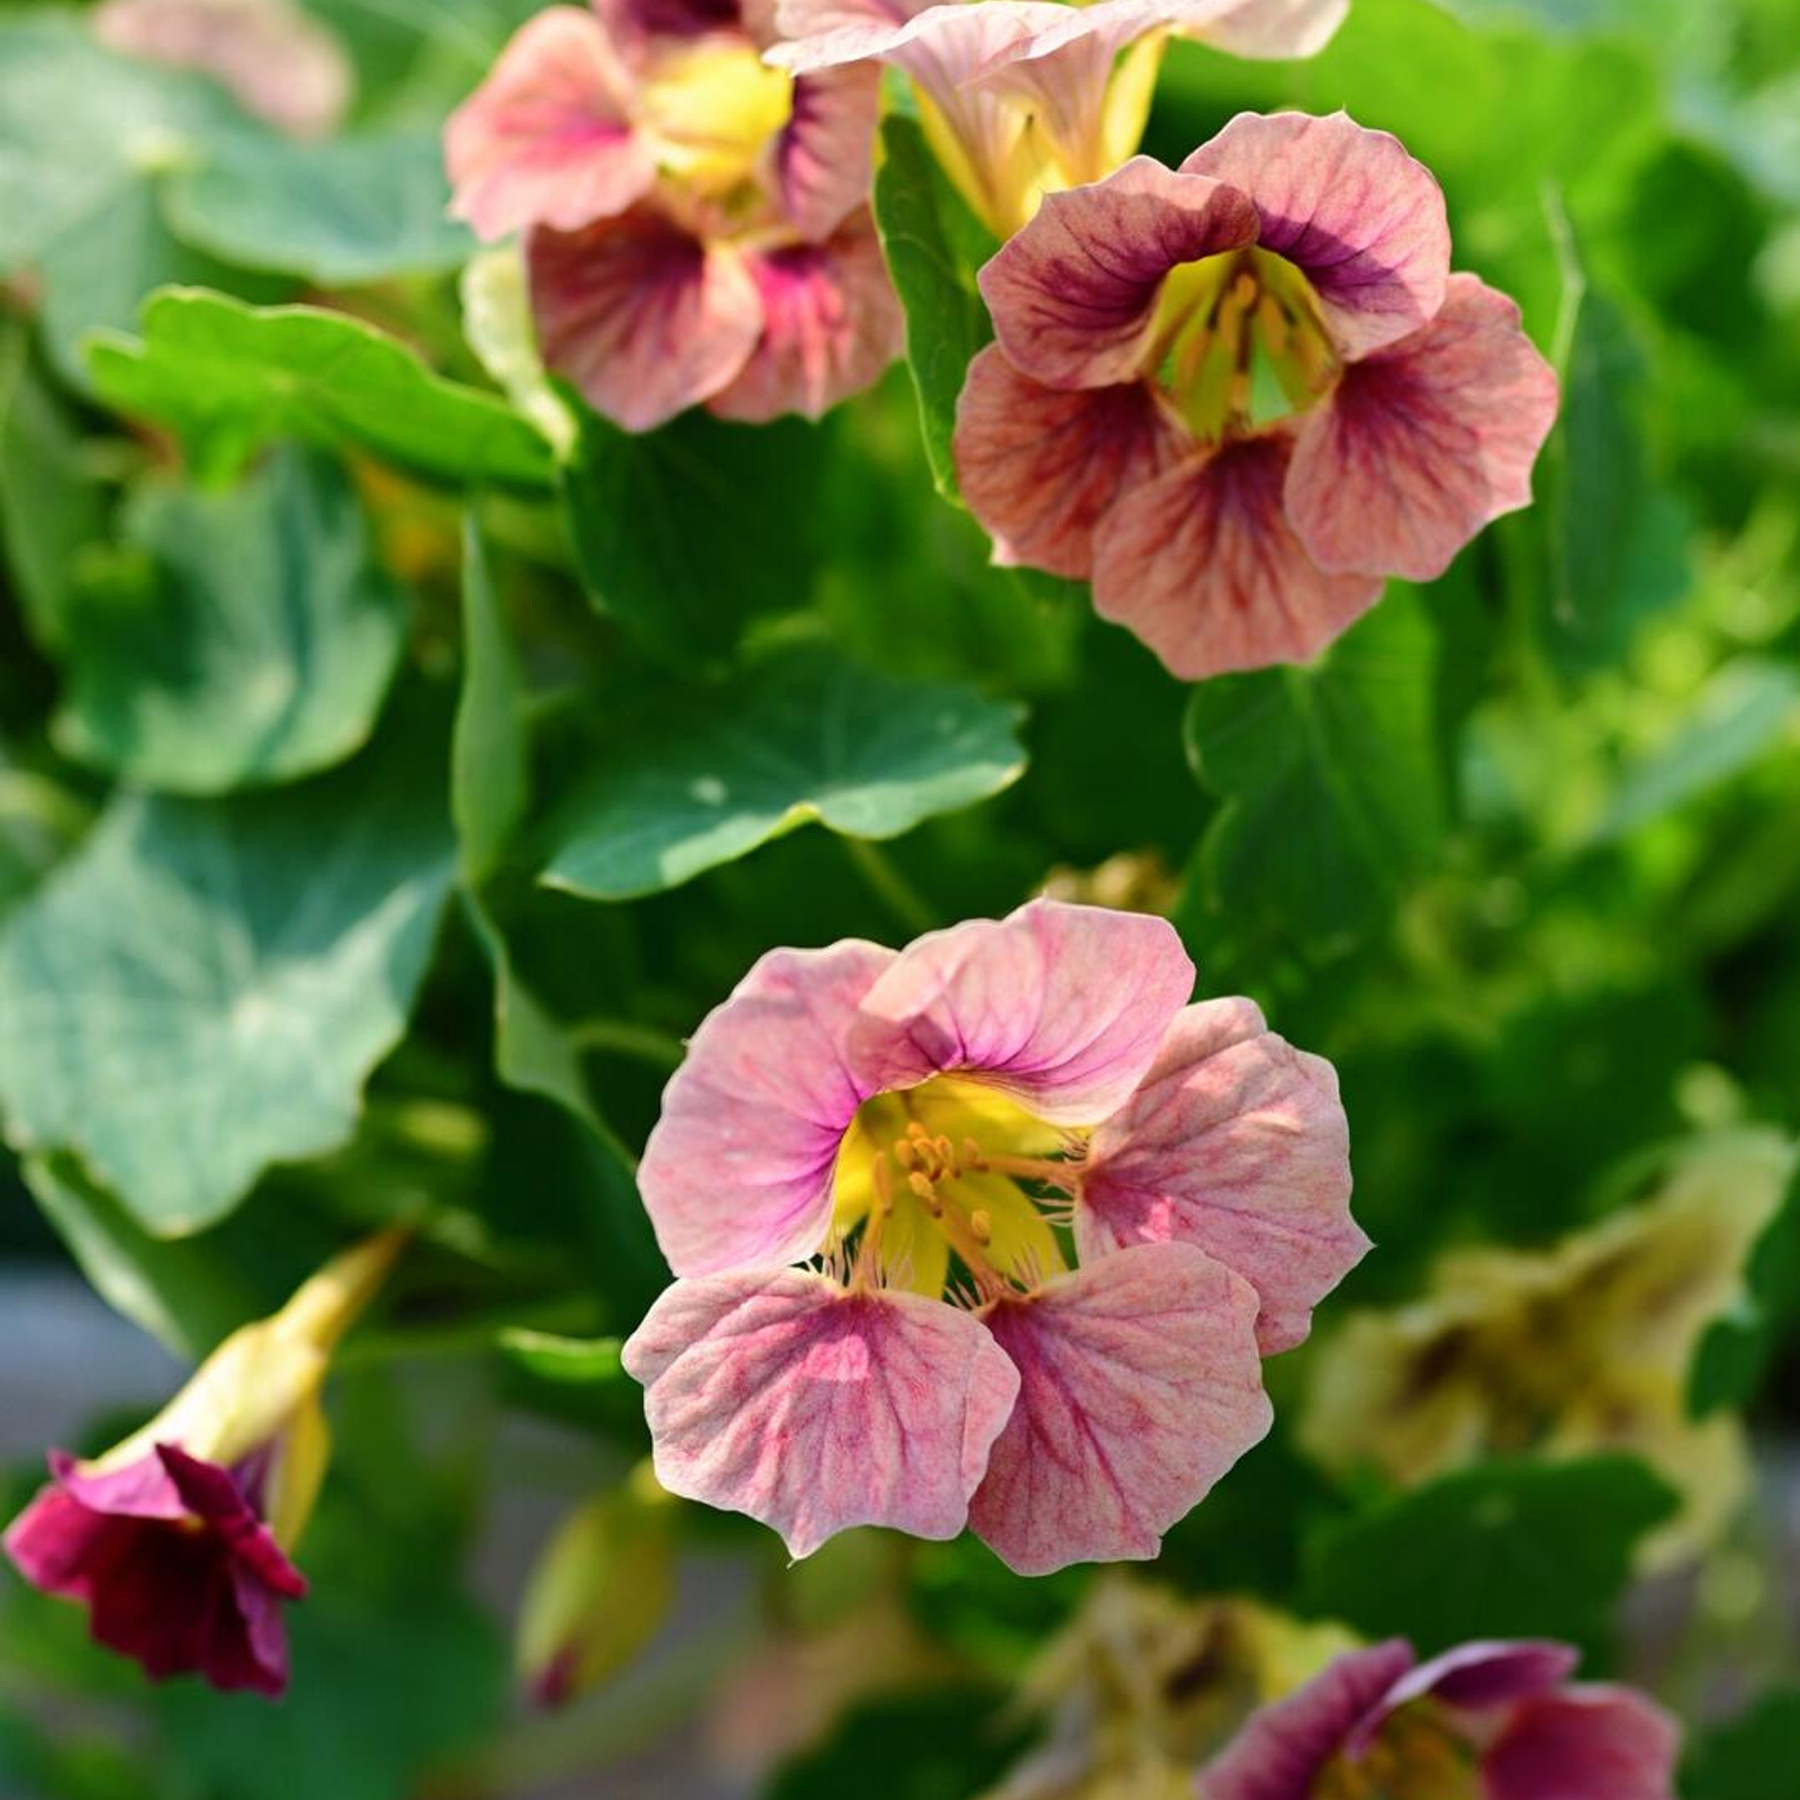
<point>349,210</point>
<point>1330,777</point>
<point>1737,1350</point>
<point>489,752</point>
<point>256,644</point>
<point>227,377</point>
<point>1743,1759</point>
<point>681,534</point>
<point>203,988</point>
<point>1508,1549</point>
<point>934,248</point>
<point>804,736</point>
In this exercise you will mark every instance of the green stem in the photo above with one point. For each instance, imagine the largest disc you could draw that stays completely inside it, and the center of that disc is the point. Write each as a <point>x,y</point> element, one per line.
<point>902,899</point>
<point>642,1042</point>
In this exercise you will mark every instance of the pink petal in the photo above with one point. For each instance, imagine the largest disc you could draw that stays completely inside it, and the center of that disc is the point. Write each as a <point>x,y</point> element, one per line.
<point>1475,1677</point>
<point>1361,219</point>
<point>143,1489</point>
<point>738,1172</point>
<point>1235,1142</point>
<point>824,157</point>
<point>1272,29</point>
<point>1040,466</point>
<point>814,1409</point>
<point>645,320</point>
<point>1074,294</point>
<point>1140,1386</point>
<point>1280,1752</point>
<point>547,138</point>
<point>824,34</point>
<point>1425,442</point>
<point>831,325</point>
<point>1585,1743</point>
<point>1062,1007</point>
<point>213,1496</point>
<point>1202,565</point>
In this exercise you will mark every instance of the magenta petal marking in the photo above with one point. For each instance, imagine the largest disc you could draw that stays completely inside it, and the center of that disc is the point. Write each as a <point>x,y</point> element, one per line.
<point>547,138</point>
<point>1424,443</point>
<point>1140,1385</point>
<point>1203,566</point>
<point>1359,217</point>
<point>1040,467</point>
<point>831,325</point>
<point>143,1489</point>
<point>1074,294</point>
<point>1281,1750</point>
<point>737,1173</point>
<point>1477,1677</point>
<point>1236,1142</point>
<point>1062,1007</point>
<point>643,318</point>
<point>1584,1743</point>
<point>811,1408</point>
<point>212,1495</point>
<point>824,155</point>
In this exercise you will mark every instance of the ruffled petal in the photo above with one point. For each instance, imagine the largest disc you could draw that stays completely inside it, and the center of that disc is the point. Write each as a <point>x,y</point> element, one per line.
<point>737,1173</point>
<point>644,319</point>
<point>1358,216</point>
<point>1476,1676</point>
<point>1424,443</point>
<point>1203,566</point>
<point>1274,30</point>
<point>1041,466</point>
<point>213,1496</point>
<point>1073,295</point>
<point>831,325</point>
<point>1059,1007</point>
<point>824,156</point>
<point>1235,1142</point>
<point>1585,1743</point>
<point>813,1408</point>
<point>1140,1386</point>
<point>829,34</point>
<point>547,139</point>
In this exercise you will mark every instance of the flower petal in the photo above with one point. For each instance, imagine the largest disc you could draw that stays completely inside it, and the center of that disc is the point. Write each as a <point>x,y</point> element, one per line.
<point>1074,294</point>
<point>1203,566</point>
<point>824,156</point>
<point>1358,216</point>
<point>831,325</point>
<point>644,319</point>
<point>1235,1142</point>
<point>1061,1007</point>
<point>213,1496</point>
<point>547,138</point>
<point>1282,1749</point>
<point>1271,29</point>
<point>828,34</point>
<point>737,1173</point>
<point>1585,1743</point>
<point>1425,442</point>
<point>1475,1676</point>
<point>1140,1386</point>
<point>813,1409</point>
<point>1040,466</point>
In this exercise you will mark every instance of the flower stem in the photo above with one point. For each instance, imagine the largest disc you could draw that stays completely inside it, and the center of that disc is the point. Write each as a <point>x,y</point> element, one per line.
<point>902,899</point>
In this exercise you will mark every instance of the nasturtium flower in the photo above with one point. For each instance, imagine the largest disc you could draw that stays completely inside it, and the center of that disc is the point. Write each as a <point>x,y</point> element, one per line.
<point>1051,1217</point>
<point>1580,1348</point>
<point>696,222</point>
<point>1485,1721</point>
<point>179,1541</point>
<point>1022,98</point>
<point>1238,395</point>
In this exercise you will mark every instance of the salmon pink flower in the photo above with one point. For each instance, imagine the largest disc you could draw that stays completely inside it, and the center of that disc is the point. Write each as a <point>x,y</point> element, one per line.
<point>1051,1216</point>
<point>1487,1721</point>
<point>696,222</point>
<point>1239,395</point>
<point>179,1540</point>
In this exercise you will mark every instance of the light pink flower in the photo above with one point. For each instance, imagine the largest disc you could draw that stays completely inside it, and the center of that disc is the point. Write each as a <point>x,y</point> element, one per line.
<point>1240,395</point>
<point>1503,1715</point>
<point>696,223</point>
<point>936,1132</point>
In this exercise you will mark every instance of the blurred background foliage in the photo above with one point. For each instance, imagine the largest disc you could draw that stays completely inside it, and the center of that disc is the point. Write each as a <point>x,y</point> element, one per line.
<point>382,800</point>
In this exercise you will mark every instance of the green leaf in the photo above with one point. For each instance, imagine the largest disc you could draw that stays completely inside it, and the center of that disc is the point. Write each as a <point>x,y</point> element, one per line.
<point>1741,1760</point>
<point>259,647</point>
<point>686,786</point>
<point>934,247</point>
<point>1512,1549</point>
<point>204,987</point>
<point>346,211</point>
<point>1737,1351</point>
<point>1329,774</point>
<point>228,377</point>
<point>681,534</point>
<point>489,762</point>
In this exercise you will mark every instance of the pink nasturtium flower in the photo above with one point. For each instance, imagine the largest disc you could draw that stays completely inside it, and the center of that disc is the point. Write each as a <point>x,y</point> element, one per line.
<point>1487,1721</point>
<point>1239,395</point>
<point>179,1540</point>
<point>696,223</point>
<point>1021,98</point>
<point>1051,1215</point>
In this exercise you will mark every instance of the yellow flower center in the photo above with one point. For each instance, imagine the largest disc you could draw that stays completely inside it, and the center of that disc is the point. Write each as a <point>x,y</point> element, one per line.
<point>712,107</point>
<point>1417,1756</point>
